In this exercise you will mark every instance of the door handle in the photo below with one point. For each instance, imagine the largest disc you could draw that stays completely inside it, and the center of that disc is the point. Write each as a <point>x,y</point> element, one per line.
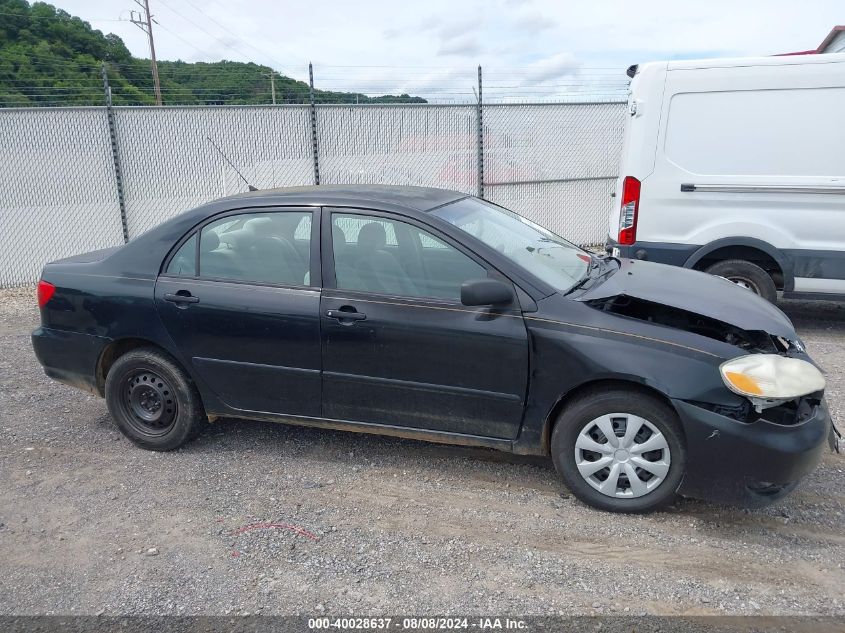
<point>343,315</point>
<point>181,298</point>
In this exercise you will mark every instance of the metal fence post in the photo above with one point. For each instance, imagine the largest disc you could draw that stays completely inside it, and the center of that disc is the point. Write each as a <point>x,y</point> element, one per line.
<point>115,158</point>
<point>313,125</point>
<point>480,119</point>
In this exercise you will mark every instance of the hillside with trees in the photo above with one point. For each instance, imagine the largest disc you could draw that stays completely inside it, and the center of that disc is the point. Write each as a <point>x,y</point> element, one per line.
<point>49,58</point>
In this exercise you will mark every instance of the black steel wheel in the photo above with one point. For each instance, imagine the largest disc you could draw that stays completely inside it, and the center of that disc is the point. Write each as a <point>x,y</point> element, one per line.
<point>153,401</point>
<point>149,402</point>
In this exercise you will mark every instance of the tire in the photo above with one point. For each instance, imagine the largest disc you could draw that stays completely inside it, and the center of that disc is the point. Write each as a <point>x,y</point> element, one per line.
<point>619,407</point>
<point>153,401</point>
<point>747,275</point>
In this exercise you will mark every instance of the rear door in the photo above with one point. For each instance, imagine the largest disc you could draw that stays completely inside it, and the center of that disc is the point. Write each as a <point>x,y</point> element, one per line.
<point>398,346</point>
<point>639,139</point>
<point>240,298</point>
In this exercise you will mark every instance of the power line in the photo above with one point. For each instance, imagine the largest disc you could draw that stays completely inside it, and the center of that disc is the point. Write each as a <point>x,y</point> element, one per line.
<point>227,29</point>
<point>218,39</point>
<point>179,37</point>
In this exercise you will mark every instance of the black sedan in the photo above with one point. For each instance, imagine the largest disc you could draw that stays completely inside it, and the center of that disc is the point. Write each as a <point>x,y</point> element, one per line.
<point>434,315</point>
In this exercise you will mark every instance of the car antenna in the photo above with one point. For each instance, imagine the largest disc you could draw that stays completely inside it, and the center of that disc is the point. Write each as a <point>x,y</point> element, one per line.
<point>231,164</point>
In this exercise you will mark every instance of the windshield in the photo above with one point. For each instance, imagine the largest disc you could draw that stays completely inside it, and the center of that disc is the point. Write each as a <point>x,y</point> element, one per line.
<point>548,256</point>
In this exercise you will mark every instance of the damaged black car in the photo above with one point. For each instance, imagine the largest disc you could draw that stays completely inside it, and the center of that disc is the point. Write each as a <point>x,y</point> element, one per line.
<point>433,315</point>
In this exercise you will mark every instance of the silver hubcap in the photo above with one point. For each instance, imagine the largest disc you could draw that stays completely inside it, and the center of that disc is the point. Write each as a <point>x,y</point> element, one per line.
<point>744,283</point>
<point>622,455</point>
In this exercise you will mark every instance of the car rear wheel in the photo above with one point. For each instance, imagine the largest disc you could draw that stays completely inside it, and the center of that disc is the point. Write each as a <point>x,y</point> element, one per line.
<point>746,275</point>
<point>152,400</point>
<point>619,450</point>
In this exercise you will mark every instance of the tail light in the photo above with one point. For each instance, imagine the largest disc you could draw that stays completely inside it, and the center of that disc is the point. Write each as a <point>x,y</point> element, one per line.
<point>45,292</point>
<point>628,212</point>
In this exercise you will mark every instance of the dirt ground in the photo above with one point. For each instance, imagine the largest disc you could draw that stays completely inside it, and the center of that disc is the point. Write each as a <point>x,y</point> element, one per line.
<point>265,518</point>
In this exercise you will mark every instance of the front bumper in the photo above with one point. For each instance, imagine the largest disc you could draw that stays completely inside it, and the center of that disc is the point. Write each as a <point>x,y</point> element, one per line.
<point>69,357</point>
<point>751,464</point>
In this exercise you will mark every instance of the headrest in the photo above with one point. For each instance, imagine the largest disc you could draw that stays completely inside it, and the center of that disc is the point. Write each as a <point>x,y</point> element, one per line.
<point>338,239</point>
<point>372,237</point>
<point>285,224</point>
<point>240,238</point>
<point>280,224</point>
<point>209,241</point>
<point>258,225</point>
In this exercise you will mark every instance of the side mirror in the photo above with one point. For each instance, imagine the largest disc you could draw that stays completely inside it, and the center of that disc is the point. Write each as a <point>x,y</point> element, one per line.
<point>484,292</point>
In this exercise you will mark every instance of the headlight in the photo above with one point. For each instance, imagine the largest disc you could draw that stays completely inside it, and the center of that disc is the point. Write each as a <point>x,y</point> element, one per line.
<point>771,377</point>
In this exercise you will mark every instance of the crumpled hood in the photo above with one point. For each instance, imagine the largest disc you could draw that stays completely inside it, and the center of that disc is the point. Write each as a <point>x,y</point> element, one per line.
<point>695,292</point>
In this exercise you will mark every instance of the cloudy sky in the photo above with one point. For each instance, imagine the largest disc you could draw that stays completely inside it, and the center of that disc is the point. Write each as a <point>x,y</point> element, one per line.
<point>529,49</point>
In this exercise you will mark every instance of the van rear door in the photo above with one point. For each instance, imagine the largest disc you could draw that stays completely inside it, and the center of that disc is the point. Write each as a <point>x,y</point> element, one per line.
<point>639,140</point>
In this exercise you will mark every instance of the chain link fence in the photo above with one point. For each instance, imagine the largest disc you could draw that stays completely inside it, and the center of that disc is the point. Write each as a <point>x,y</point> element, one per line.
<point>554,163</point>
<point>432,146</point>
<point>57,189</point>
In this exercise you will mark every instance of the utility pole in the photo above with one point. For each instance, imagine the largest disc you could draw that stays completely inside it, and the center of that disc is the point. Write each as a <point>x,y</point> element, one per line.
<point>273,85</point>
<point>144,21</point>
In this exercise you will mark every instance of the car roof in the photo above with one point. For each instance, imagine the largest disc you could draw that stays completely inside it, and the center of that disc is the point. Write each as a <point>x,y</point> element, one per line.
<point>417,198</point>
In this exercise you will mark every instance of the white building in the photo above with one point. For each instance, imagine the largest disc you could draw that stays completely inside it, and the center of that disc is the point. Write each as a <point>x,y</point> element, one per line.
<point>833,43</point>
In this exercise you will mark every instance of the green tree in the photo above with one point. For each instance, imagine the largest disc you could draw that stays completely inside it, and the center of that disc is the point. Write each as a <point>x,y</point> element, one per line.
<point>49,57</point>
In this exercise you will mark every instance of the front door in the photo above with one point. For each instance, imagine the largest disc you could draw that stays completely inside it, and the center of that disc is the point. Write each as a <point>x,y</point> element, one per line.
<point>237,300</point>
<point>398,346</point>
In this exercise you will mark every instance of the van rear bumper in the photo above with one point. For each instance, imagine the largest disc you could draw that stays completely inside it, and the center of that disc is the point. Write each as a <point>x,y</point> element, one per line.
<point>660,252</point>
<point>809,274</point>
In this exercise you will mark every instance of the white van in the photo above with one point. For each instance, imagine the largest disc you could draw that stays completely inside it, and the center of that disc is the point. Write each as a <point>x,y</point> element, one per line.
<point>737,167</point>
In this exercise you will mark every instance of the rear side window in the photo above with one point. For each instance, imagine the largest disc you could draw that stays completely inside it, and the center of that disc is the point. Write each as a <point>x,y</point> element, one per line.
<point>184,262</point>
<point>273,248</point>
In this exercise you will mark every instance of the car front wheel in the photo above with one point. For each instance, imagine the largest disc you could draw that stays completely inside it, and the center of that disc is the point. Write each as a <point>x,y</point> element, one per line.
<point>620,450</point>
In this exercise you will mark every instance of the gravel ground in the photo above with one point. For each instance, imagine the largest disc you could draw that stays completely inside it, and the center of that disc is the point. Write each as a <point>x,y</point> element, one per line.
<point>90,524</point>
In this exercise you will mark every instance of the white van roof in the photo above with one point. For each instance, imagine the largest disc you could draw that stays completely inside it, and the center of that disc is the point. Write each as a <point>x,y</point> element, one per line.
<point>737,62</point>
<point>773,60</point>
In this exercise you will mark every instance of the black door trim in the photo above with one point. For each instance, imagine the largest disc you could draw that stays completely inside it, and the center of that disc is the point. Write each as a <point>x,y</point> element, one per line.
<point>240,363</point>
<point>425,386</point>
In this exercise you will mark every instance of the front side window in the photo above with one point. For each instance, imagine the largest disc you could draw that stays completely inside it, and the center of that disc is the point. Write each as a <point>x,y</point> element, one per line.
<point>273,248</point>
<point>551,258</point>
<point>384,256</point>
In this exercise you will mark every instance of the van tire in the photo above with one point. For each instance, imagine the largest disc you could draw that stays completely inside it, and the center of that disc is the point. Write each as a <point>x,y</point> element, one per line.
<point>747,275</point>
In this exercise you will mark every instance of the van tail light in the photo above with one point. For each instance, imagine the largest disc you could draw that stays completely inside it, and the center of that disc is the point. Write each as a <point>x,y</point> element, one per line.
<point>629,211</point>
<point>45,292</point>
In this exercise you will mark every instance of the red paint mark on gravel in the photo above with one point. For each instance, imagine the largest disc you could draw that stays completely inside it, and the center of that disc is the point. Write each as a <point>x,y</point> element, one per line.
<point>275,526</point>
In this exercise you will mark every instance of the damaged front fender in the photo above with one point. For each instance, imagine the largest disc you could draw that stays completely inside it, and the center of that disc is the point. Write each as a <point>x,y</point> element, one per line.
<point>748,464</point>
